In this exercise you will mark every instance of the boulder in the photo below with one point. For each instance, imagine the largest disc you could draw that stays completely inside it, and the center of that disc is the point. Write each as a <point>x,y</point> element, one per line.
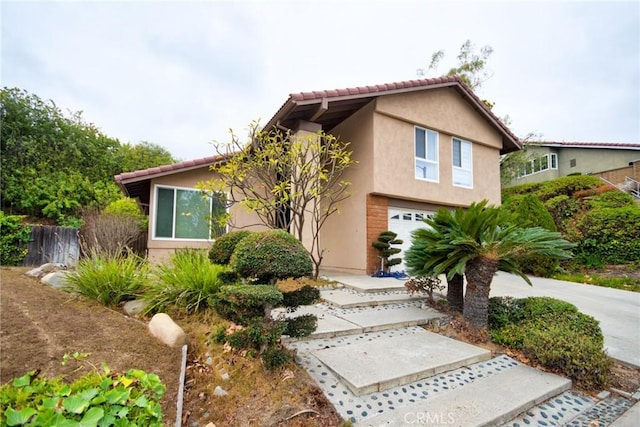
<point>135,307</point>
<point>167,331</point>
<point>36,272</point>
<point>57,279</point>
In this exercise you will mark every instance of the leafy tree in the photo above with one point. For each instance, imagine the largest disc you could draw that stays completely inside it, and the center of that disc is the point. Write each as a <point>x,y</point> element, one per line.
<point>143,155</point>
<point>290,183</point>
<point>54,163</point>
<point>471,64</point>
<point>477,242</point>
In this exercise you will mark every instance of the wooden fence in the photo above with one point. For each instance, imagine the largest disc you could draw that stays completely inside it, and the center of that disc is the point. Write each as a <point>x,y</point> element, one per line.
<point>62,245</point>
<point>52,244</point>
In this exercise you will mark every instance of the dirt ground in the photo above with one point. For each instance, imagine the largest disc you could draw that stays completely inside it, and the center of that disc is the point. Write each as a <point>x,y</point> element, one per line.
<point>39,325</point>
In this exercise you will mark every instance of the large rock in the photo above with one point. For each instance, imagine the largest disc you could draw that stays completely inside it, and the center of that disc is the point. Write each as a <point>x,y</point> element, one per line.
<point>166,330</point>
<point>57,279</point>
<point>44,269</point>
<point>135,307</point>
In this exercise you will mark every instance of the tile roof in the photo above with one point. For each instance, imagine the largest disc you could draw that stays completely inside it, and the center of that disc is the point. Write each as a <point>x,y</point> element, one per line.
<point>381,89</point>
<point>297,100</point>
<point>166,169</point>
<point>577,144</point>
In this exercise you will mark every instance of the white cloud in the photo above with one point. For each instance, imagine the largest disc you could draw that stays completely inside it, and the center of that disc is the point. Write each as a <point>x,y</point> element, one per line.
<point>181,73</point>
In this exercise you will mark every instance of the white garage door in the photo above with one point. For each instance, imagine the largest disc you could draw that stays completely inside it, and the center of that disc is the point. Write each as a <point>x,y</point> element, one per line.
<point>403,222</point>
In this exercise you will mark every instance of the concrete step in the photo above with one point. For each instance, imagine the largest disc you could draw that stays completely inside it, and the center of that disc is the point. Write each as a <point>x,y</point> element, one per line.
<point>393,361</point>
<point>484,393</point>
<point>349,298</point>
<point>336,322</point>
<point>367,284</point>
<point>630,418</point>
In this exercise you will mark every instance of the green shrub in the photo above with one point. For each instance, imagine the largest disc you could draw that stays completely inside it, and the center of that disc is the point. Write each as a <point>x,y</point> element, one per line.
<point>245,304</point>
<point>301,326</point>
<point>553,333</point>
<point>223,247</point>
<point>530,212</point>
<point>271,255</point>
<point>566,185</point>
<point>187,282</point>
<point>129,208</point>
<point>275,357</point>
<point>612,199</point>
<point>13,239</point>
<point>576,355</point>
<point>94,399</point>
<point>108,278</point>
<point>613,234</point>
<point>504,311</point>
<point>562,208</point>
<point>306,295</point>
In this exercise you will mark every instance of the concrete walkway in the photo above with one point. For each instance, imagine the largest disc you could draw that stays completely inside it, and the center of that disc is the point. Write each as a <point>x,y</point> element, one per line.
<point>618,311</point>
<point>378,369</point>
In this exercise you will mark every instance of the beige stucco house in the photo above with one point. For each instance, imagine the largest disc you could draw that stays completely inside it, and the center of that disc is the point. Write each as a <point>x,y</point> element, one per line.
<point>550,160</point>
<point>420,145</point>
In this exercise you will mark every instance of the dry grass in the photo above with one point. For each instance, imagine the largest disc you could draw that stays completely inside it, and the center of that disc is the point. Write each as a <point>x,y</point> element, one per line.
<point>288,285</point>
<point>286,396</point>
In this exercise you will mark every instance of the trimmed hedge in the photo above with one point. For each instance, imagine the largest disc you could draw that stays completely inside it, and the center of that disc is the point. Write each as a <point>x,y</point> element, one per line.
<point>271,255</point>
<point>612,234</point>
<point>245,304</point>
<point>553,333</point>
<point>223,247</point>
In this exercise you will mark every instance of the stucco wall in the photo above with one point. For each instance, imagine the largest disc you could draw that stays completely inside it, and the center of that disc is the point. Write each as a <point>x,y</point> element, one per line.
<point>159,250</point>
<point>344,235</point>
<point>593,160</point>
<point>444,111</point>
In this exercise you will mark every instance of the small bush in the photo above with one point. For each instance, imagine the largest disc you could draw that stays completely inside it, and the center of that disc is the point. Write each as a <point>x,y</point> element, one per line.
<point>13,239</point>
<point>578,356</point>
<point>93,399</point>
<point>245,304</point>
<point>301,326</point>
<point>127,207</point>
<point>424,285</point>
<point>271,255</point>
<point>306,295</point>
<point>553,333</point>
<point>109,278</point>
<point>223,247</point>
<point>187,282</point>
<point>275,357</point>
<point>113,234</point>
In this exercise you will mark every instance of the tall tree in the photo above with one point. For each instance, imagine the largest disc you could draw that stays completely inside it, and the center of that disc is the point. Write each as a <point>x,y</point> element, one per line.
<point>143,155</point>
<point>470,68</point>
<point>477,242</point>
<point>289,182</point>
<point>54,163</point>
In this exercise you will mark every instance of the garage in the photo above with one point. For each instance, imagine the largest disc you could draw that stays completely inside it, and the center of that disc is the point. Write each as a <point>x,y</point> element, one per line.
<point>403,222</point>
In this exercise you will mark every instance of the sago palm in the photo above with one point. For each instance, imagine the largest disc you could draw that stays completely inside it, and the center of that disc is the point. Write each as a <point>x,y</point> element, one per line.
<point>478,241</point>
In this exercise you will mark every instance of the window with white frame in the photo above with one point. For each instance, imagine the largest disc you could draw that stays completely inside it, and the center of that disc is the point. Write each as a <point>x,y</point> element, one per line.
<point>187,214</point>
<point>539,164</point>
<point>426,154</point>
<point>462,163</point>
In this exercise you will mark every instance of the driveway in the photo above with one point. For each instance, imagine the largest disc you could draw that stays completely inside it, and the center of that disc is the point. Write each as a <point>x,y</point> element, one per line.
<point>618,311</point>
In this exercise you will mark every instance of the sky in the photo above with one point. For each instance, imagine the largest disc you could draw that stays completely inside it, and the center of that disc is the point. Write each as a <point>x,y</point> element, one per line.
<point>181,74</point>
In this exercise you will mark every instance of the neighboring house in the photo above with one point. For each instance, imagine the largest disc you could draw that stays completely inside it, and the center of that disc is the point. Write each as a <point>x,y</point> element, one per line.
<point>420,145</point>
<point>551,160</point>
